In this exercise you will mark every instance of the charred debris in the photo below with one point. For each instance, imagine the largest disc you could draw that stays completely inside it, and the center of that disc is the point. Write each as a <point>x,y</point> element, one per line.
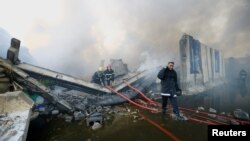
<point>59,95</point>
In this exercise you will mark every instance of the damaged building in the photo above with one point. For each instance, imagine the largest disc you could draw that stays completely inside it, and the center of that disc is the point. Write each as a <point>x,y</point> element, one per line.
<point>202,67</point>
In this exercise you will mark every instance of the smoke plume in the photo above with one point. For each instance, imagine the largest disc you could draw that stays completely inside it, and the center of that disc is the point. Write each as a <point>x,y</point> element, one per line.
<point>144,33</point>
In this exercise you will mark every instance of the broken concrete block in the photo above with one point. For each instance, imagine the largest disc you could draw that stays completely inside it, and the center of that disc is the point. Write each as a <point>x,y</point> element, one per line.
<point>240,114</point>
<point>201,108</point>
<point>55,112</point>
<point>80,107</point>
<point>90,120</point>
<point>211,110</point>
<point>78,115</point>
<point>96,126</point>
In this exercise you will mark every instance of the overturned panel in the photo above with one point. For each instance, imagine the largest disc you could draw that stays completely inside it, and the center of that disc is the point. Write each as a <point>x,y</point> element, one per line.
<point>202,67</point>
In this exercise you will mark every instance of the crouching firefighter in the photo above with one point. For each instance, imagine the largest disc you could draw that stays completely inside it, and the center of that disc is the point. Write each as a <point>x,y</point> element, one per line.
<point>98,77</point>
<point>169,88</point>
<point>109,75</point>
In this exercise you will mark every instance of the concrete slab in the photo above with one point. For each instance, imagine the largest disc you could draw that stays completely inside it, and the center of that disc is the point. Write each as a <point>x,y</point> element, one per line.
<point>16,110</point>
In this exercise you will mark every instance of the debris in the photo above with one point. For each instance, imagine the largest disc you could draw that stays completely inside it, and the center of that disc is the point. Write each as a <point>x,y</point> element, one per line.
<point>96,126</point>
<point>99,108</point>
<point>211,110</point>
<point>96,117</point>
<point>55,112</point>
<point>201,108</point>
<point>212,115</point>
<point>78,115</point>
<point>34,115</point>
<point>240,114</point>
<point>39,100</point>
<point>135,117</point>
<point>68,118</point>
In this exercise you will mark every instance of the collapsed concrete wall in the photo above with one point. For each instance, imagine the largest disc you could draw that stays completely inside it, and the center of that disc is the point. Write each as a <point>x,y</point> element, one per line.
<point>201,66</point>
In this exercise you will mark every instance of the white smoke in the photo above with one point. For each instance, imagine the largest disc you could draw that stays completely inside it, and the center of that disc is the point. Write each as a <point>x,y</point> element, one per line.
<point>143,33</point>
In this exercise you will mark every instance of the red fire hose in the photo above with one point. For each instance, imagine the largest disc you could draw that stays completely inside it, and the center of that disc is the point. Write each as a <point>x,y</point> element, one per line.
<point>132,102</point>
<point>155,102</point>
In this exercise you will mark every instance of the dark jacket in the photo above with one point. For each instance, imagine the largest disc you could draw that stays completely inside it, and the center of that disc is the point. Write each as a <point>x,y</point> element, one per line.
<point>168,81</point>
<point>98,78</point>
<point>109,74</point>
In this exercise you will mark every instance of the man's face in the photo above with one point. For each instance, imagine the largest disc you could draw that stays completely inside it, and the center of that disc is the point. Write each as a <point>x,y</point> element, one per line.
<point>170,66</point>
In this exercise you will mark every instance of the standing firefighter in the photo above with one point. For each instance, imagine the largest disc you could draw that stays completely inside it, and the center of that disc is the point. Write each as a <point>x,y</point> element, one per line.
<point>109,75</point>
<point>169,87</point>
<point>98,77</point>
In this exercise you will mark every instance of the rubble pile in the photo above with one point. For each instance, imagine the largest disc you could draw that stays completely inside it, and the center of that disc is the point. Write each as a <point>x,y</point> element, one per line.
<point>96,117</point>
<point>238,114</point>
